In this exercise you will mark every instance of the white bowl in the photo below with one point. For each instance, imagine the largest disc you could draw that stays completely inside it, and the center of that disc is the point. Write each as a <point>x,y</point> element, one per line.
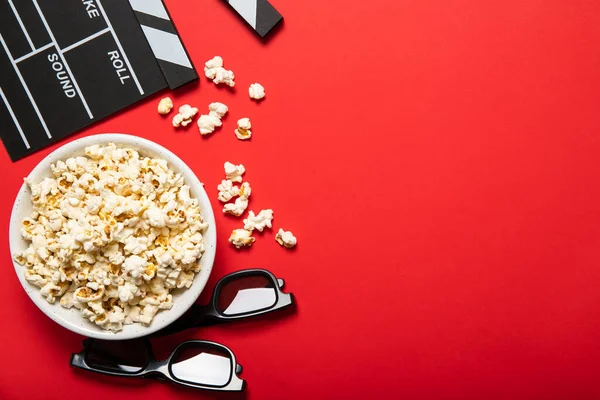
<point>72,319</point>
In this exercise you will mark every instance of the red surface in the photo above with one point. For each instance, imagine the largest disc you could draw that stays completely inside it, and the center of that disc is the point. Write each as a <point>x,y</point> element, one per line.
<point>438,161</point>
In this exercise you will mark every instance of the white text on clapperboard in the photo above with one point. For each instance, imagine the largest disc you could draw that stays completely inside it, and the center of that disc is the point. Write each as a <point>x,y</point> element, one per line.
<point>114,57</point>
<point>62,75</point>
<point>91,8</point>
<point>119,66</point>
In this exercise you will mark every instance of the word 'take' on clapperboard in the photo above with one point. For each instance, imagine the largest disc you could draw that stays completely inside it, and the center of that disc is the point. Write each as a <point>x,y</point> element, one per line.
<point>65,64</point>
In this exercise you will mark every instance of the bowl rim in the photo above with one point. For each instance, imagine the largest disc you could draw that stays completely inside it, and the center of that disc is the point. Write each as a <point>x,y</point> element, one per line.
<point>82,325</point>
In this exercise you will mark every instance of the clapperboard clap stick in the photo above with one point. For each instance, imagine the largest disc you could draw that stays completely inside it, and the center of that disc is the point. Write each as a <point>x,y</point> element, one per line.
<point>259,14</point>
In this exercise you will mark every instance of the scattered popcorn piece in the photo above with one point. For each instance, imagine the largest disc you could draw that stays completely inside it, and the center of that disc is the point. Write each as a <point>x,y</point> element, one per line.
<point>286,239</point>
<point>185,115</point>
<point>243,130</point>
<point>219,108</point>
<point>245,190</point>
<point>213,63</point>
<point>237,208</point>
<point>256,91</point>
<point>213,69</point>
<point>263,220</point>
<point>227,191</point>
<point>208,123</point>
<point>224,76</point>
<point>241,203</point>
<point>241,238</point>
<point>234,172</point>
<point>165,106</point>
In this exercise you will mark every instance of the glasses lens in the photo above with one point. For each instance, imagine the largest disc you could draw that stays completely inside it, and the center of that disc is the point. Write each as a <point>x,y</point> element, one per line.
<point>246,294</point>
<point>126,357</point>
<point>202,364</point>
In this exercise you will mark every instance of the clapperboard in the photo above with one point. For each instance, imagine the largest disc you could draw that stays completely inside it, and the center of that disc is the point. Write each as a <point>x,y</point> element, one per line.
<point>259,14</point>
<point>65,64</point>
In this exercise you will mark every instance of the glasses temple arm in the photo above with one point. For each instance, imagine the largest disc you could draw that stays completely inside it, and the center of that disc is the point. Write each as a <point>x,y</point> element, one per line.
<point>196,316</point>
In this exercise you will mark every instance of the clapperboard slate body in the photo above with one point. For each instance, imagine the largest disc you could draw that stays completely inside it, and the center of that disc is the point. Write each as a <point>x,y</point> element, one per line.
<point>65,64</point>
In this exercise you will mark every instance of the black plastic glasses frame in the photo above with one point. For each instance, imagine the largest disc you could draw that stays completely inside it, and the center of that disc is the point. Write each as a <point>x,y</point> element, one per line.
<point>161,370</point>
<point>209,314</point>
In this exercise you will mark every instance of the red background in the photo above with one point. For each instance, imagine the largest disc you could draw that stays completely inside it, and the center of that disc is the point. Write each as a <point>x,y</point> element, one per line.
<point>437,160</point>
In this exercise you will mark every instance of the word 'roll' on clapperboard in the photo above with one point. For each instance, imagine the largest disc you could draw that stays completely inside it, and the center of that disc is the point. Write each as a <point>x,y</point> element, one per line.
<point>65,64</point>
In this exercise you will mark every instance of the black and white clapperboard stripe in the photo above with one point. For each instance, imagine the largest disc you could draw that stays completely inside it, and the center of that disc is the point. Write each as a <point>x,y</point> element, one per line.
<point>65,64</point>
<point>260,14</point>
<point>164,40</point>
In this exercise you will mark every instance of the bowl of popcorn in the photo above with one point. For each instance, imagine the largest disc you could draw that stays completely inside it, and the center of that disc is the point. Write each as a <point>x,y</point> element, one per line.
<point>112,236</point>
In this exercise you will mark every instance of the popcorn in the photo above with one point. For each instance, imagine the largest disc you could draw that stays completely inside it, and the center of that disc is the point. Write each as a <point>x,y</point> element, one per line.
<point>224,76</point>
<point>190,255</point>
<point>227,191</point>
<point>241,203</point>
<point>171,279</point>
<point>245,190</point>
<point>185,115</point>
<point>286,239</point>
<point>261,221</point>
<point>165,106</point>
<point>208,123</point>
<point>243,130</point>
<point>157,286</point>
<point>35,279</point>
<point>135,266</point>
<point>51,291</point>
<point>86,294</point>
<point>55,220</point>
<point>213,63</point>
<point>218,108</point>
<point>241,238</point>
<point>60,167</point>
<point>185,279</point>
<point>184,196</point>
<point>234,172</point>
<point>256,91</point>
<point>132,314</point>
<point>111,234</point>
<point>149,272</point>
<point>68,301</point>
<point>136,245</point>
<point>95,152</point>
<point>213,69</point>
<point>148,314</point>
<point>127,292</point>
<point>237,208</point>
<point>115,319</point>
<point>155,217</point>
<point>164,260</point>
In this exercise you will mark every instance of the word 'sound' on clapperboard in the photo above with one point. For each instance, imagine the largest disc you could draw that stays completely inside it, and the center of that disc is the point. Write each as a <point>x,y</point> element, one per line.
<point>65,64</point>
